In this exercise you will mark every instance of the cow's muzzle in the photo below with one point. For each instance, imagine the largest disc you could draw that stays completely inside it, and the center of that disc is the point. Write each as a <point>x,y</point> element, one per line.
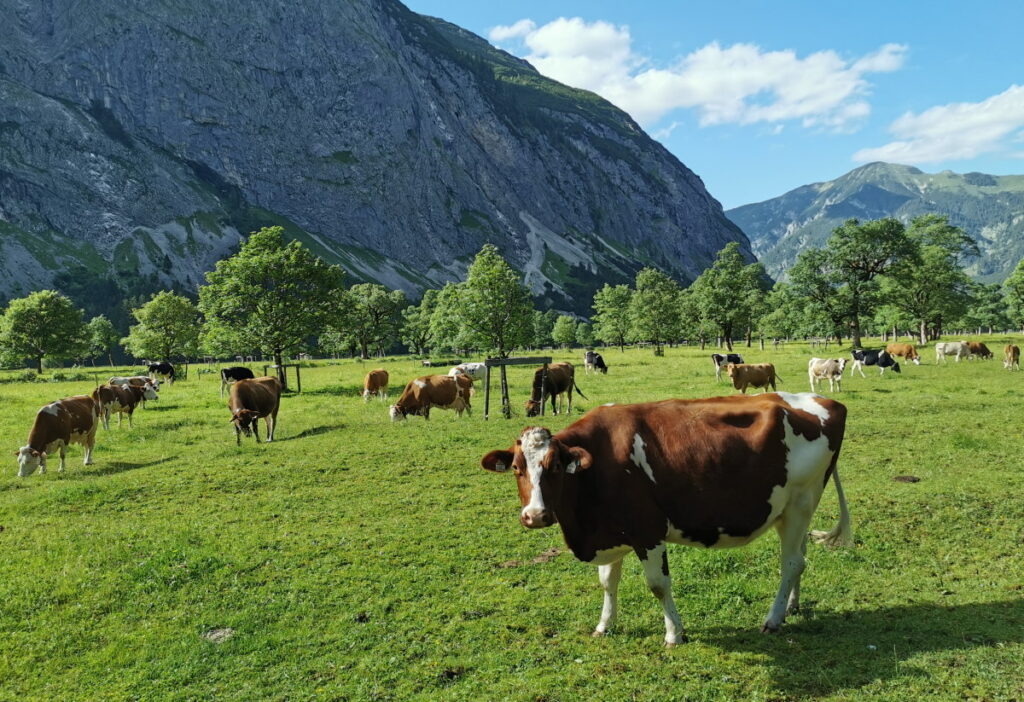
<point>537,520</point>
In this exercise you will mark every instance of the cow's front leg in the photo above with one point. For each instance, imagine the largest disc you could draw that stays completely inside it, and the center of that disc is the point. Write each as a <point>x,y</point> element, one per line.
<point>655,562</point>
<point>256,429</point>
<point>63,453</point>
<point>271,425</point>
<point>609,576</point>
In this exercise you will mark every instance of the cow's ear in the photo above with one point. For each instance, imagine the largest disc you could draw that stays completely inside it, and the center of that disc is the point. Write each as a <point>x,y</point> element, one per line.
<point>497,461</point>
<point>576,459</point>
<point>37,453</point>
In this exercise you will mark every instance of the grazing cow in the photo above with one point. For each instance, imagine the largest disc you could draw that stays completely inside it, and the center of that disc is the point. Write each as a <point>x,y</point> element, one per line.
<point>593,361</point>
<point>233,375</point>
<point>714,473</point>
<point>122,399</point>
<point>164,370</point>
<point>72,420</point>
<point>907,352</point>
<point>476,371</point>
<point>141,381</point>
<point>251,399</point>
<point>1011,357</point>
<point>375,383</point>
<point>960,349</point>
<point>819,369</point>
<point>441,391</point>
<point>882,359</point>
<point>561,379</point>
<point>721,359</point>
<point>756,375</point>
<point>976,348</point>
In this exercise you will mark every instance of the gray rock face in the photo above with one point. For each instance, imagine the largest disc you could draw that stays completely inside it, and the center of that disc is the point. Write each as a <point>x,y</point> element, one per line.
<point>989,208</point>
<point>138,138</point>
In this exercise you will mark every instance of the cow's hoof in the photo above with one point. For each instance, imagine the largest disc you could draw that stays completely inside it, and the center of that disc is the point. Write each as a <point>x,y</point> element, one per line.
<point>769,628</point>
<point>680,639</point>
<point>598,633</point>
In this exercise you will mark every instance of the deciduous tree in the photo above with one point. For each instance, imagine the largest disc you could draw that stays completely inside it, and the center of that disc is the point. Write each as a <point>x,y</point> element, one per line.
<point>654,308</point>
<point>168,326</point>
<point>564,331</point>
<point>103,337</point>
<point>612,321</point>
<point>45,324</point>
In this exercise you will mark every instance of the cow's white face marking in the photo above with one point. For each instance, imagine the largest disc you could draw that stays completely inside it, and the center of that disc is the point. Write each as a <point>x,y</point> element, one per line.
<point>805,401</point>
<point>419,383</point>
<point>149,392</point>
<point>27,463</point>
<point>51,408</point>
<point>396,416</point>
<point>639,457</point>
<point>535,444</point>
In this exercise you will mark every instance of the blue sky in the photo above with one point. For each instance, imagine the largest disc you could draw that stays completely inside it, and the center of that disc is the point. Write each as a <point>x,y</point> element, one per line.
<point>761,97</point>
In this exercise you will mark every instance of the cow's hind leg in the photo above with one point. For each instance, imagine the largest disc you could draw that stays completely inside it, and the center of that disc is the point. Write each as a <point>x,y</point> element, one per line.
<point>792,529</point>
<point>609,576</point>
<point>655,562</point>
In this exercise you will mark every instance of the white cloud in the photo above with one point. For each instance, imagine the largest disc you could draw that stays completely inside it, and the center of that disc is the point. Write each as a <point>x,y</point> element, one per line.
<point>512,31</point>
<point>959,130</point>
<point>738,84</point>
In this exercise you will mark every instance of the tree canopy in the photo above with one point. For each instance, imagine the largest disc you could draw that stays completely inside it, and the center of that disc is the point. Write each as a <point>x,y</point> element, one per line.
<point>45,324</point>
<point>168,327</point>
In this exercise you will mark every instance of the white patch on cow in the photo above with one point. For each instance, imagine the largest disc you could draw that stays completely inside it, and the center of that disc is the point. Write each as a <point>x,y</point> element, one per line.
<point>610,555</point>
<point>52,408</point>
<point>806,459</point>
<point>805,401</point>
<point>639,457</point>
<point>608,404</point>
<point>419,383</point>
<point>535,444</point>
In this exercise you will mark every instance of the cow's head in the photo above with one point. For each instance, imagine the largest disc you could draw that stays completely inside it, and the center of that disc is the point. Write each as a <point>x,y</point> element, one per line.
<point>149,391</point>
<point>29,459</point>
<point>397,413</point>
<point>541,464</point>
<point>244,419</point>
<point>842,364</point>
<point>532,408</point>
<point>730,369</point>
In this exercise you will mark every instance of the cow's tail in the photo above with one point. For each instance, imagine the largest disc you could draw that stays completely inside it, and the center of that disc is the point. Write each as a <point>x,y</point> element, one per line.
<point>842,533</point>
<point>778,378</point>
<point>578,391</point>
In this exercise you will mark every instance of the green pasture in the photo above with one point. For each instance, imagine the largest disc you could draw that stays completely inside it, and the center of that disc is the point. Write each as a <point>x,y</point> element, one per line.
<point>355,559</point>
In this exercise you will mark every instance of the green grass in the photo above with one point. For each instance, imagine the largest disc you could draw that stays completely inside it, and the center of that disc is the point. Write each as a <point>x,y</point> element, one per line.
<point>356,559</point>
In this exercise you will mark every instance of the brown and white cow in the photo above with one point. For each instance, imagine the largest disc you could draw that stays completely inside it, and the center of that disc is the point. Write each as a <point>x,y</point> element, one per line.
<point>72,420</point>
<point>714,473</point>
<point>819,369</point>
<point>253,399</point>
<point>441,391</point>
<point>561,380</point>
<point>142,381</point>
<point>756,375</point>
<point>906,351</point>
<point>122,399</point>
<point>375,383</point>
<point>1011,357</point>
<point>978,349</point>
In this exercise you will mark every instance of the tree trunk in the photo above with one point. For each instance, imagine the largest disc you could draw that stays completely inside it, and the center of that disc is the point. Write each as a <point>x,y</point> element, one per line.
<point>703,341</point>
<point>110,357</point>
<point>749,337</point>
<point>281,375</point>
<point>506,409</point>
<point>923,333</point>
<point>364,351</point>
<point>39,365</point>
<point>762,343</point>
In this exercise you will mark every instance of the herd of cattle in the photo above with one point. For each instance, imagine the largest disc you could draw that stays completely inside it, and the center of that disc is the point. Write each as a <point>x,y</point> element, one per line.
<point>712,473</point>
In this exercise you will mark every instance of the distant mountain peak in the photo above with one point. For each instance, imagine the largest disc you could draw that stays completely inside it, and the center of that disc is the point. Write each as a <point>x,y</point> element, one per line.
<point>989,208</point>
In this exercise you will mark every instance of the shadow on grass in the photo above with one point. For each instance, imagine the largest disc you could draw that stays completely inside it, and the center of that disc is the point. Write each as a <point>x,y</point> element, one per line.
<point>313,431</point>
<point>829,654</point>
<point>115,467</point>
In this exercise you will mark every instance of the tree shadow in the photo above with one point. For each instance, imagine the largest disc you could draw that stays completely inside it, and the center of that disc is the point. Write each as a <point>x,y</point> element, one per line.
<point>839,652</point>
<point>313,431</point>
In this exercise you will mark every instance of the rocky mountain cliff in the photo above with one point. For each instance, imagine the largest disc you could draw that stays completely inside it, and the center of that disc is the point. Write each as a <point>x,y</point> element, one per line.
<point>989,208</point>
<point>139,139</point>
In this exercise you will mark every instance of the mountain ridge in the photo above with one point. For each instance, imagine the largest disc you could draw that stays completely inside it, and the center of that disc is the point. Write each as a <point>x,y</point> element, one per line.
<point>989,208</point>
<point>144,138</point>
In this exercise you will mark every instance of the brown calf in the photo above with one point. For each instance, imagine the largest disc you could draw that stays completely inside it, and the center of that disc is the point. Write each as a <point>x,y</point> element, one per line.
<point>561,379</point>
<point>978,349</point>
<point>1011,357</point>
<point>756,375</point>
<point>122,399</point>
<point>906,351</point>
<point>375,383</point>
<point>251,399</point>
<point>72,420</point>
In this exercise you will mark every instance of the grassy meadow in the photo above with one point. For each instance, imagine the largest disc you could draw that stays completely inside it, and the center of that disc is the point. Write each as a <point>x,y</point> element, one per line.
<point>357,559</point>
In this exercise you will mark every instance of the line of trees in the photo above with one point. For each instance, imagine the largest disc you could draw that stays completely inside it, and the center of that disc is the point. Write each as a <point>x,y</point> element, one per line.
<point>276,298</point>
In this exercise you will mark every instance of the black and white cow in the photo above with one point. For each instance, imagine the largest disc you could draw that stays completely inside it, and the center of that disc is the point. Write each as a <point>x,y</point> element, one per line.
<point>882,359</point>
<point>163,369</point>
<point>233,375</point>
<point>721,359</point>
<point>592,361</point>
